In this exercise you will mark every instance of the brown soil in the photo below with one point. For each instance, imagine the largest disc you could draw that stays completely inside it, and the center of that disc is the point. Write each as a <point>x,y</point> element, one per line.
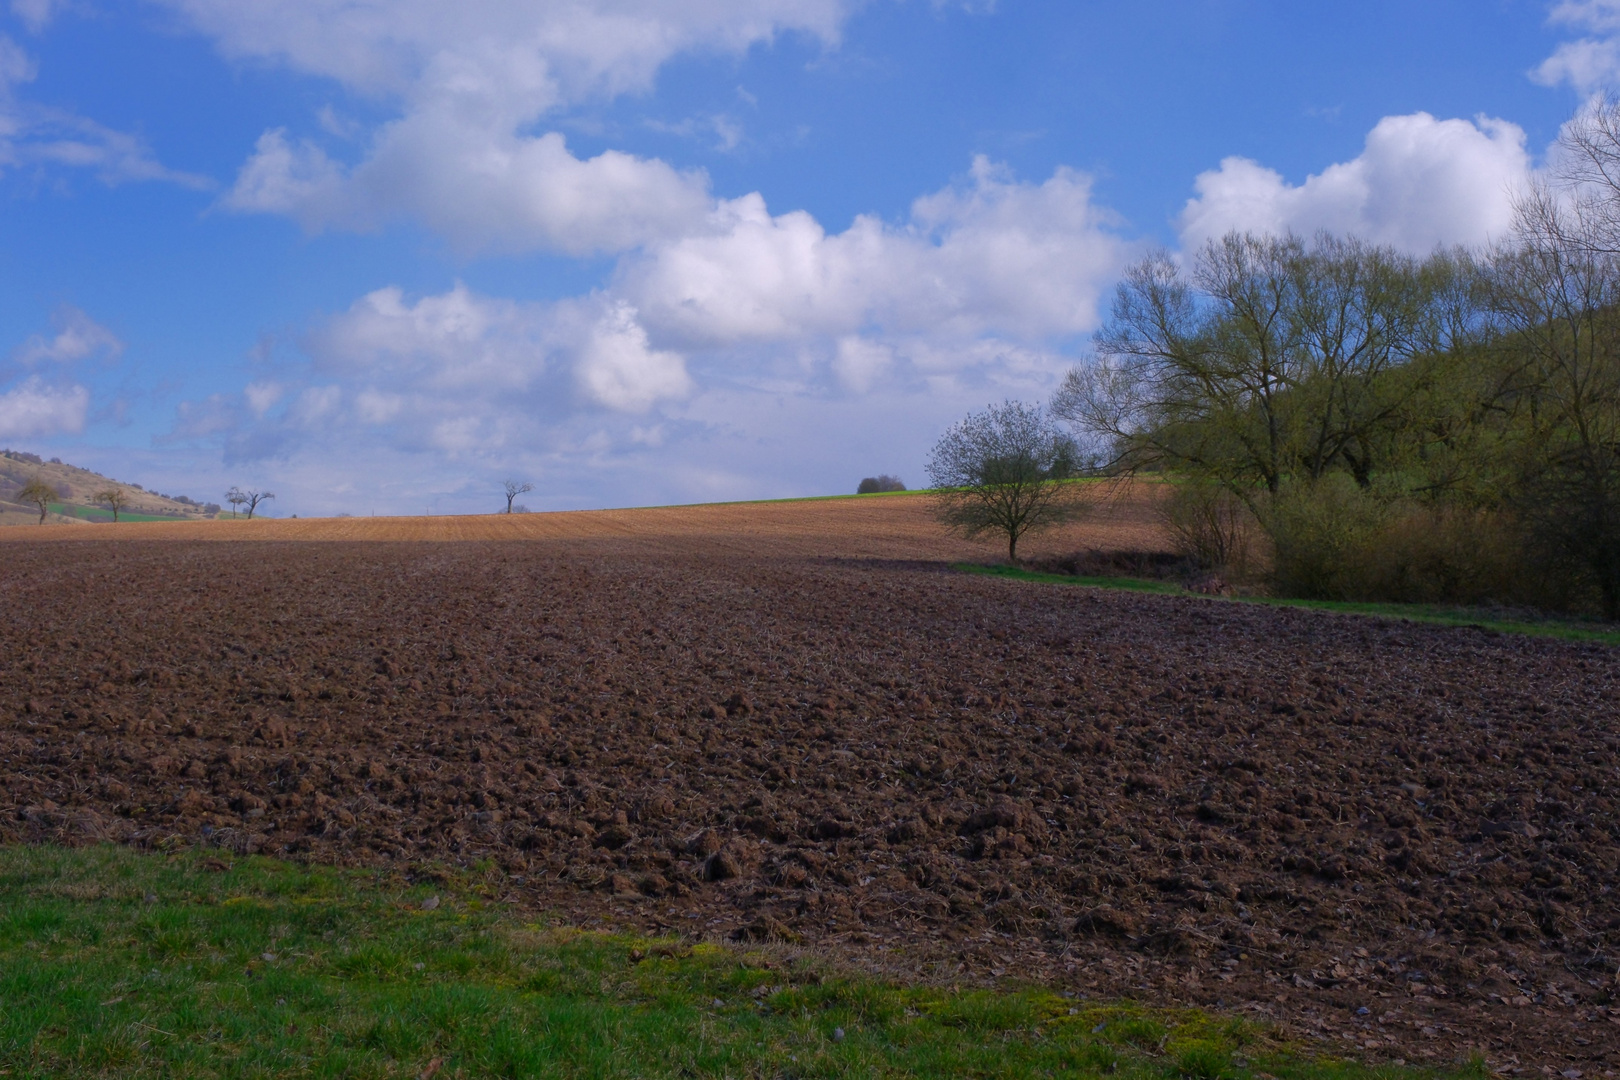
<point>826,736</point>
<point>896,526</point>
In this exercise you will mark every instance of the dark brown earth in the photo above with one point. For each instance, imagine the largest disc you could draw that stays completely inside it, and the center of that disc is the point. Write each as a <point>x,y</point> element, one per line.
<point>1397,839</point>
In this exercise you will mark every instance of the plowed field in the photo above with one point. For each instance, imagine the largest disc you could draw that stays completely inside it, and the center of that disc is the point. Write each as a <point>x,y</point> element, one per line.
<point>793,721</point>
<point>897,526</point>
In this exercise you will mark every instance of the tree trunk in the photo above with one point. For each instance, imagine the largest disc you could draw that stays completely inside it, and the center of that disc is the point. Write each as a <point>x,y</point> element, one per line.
<point>1012,548</point>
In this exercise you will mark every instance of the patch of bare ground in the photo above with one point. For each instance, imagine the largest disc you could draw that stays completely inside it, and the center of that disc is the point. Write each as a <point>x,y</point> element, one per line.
<point>1395,839</point>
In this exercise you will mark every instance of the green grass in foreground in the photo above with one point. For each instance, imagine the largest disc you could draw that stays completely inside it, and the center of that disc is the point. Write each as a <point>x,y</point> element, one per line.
<point>1424,613</point>
<point>116,964</point>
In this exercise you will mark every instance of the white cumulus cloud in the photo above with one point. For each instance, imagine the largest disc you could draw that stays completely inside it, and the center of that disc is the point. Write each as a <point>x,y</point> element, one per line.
<point>77,337</point>
<point>1419,182</point>
<point>619,369</point>
<point>1590,63</point>
<point>455,372</point>
<point>992,255</point>
<point>752,331</point>
<point>471,81</point>
<point>34,409</point>
<point>533,54</point>
<point>485,189</point>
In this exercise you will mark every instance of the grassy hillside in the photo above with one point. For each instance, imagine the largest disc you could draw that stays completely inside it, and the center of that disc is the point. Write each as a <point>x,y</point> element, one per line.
<point>77,489</point>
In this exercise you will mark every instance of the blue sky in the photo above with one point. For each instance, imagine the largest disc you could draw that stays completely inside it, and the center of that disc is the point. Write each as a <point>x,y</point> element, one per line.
<point>378,255</point>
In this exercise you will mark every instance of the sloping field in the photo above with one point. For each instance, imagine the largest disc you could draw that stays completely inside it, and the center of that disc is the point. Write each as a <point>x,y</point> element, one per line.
<point>76,489</point>
<point>793,721</point>
<point>877,526</point>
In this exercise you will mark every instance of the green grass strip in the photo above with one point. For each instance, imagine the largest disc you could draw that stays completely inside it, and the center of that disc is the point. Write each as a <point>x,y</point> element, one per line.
<point>105,517</point>
<point>1438,614</point>
<point>119,964</point>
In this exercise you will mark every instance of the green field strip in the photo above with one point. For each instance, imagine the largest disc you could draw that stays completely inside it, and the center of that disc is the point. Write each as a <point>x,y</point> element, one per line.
<point>104,517</point>
<point>1435,614</point>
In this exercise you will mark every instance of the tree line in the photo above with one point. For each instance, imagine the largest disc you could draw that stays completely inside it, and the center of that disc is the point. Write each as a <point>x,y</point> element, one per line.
<point>1352,422</point>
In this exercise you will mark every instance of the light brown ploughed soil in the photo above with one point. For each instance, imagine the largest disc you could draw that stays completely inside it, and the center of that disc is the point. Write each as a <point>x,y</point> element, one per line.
<point>899,526</point>
<point>794,721</point>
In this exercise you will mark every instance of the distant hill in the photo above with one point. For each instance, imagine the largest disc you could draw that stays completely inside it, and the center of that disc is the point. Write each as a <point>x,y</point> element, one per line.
<point>77,488</point>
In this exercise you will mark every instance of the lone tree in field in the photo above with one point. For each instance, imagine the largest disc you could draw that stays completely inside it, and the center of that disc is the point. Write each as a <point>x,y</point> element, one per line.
<point>114,498</point>
<point>1002,471</point>
<point>37,493</point>
<point>513,489</point>
<point>251,499</point>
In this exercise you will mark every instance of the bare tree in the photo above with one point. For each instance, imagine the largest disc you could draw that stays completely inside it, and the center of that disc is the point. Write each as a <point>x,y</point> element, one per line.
<point>1002,471</point>
<point>114,498</point>
<point>1587,167</point>
<point>251,499</point>
<point>514,488</point>
<point>39,494</point>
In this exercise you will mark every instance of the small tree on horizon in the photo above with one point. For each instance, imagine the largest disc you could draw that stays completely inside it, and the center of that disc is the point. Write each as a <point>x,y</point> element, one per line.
<point>513,489</point>
<point>254,498</point>
<point>37,493</point>
<point>251,499</point>
<point>115,498</point>
<point>1002,471</point>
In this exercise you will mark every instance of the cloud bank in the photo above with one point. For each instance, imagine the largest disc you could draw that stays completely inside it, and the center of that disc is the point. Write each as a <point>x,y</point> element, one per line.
<point>965,301</point>
<point>471,82</point>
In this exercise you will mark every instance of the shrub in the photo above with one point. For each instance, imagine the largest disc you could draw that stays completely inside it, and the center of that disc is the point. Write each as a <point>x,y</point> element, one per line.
<point>1335,541</point>
<point>1449,554</point>
<point>1209,526</point>
<point>874,484</point>
<point>1321,534</point>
